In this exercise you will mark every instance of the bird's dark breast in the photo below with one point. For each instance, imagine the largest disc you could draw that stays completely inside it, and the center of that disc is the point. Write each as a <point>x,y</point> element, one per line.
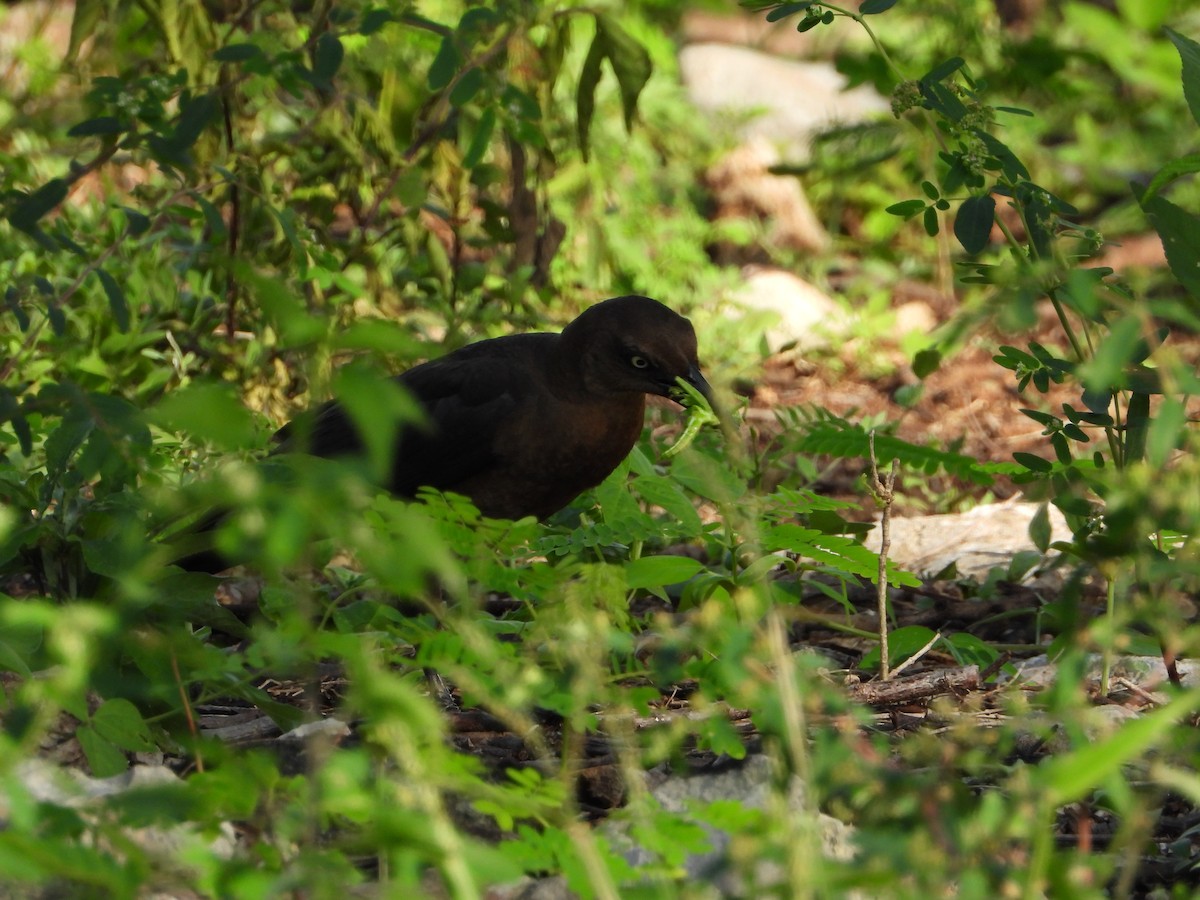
<point>553,454</point>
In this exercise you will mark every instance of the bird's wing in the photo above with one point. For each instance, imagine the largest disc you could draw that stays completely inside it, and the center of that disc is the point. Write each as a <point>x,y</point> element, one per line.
<point>468,398</point>
<point>468,401</point>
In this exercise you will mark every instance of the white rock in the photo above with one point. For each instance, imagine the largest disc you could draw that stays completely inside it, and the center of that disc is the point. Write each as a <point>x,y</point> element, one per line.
<point>804,316</point>
<point>794,100</point>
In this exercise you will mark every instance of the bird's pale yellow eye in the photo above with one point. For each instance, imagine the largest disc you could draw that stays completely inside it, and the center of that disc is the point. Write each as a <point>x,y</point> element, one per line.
<point>639,362</point>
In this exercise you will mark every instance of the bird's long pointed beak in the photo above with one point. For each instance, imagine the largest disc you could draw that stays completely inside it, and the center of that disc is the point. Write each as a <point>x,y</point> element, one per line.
<point>696,379</point>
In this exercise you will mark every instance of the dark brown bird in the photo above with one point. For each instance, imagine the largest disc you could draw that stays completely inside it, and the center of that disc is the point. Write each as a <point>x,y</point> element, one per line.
<point>525,423</point>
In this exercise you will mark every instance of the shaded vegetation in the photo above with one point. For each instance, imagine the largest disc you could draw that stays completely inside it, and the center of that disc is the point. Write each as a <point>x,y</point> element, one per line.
<point>214,216</point>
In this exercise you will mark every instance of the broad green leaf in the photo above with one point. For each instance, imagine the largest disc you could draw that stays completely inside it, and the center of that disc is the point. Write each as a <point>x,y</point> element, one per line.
<point>444,64</point>
<point>652,572</point>
<point>374,19</point>
<point>31,208</point>
<point>660,491</point>
<point>73,429</point>
<point>930,221</point>
<point>117,303</point>
<point>213,219</point>
<point>194,117</point>
<point>1189,54</point>
<point>902,643</point>
<point>1039,528</point>
<point>788,9</point>
<point>1106,370</point>
<point>481,140</point>
<point>467,87</point>
<point>1071,776</point>
<point>1180,233</point>
<point>968,650</point>
<point>139,223</point>
<point>1176,168</point>
<point>906,208</point>
<point>943,100</point>
<point>88,14</point>
<point>973,224</point>
<point>379,408</point>
<point>875,7</point>
<point>944,70</point>
<point>96,126</point>
<point>1012,168</point>
<point>381,336</point>
<point>629,60</point>
<point>119,721</point>
<point>1166,431</point>
<point>327,58</point>
<point>237,53</point>
<point>1033,463</point>
<point>1137,425</point>
<point>926,362</point>
<point>585,94</point>
<point>104,758</point>
<point>703,475</point>
<point>207,411</point>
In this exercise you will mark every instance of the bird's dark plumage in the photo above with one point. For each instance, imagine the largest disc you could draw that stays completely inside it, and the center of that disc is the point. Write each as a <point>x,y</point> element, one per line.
<point>523,424</point>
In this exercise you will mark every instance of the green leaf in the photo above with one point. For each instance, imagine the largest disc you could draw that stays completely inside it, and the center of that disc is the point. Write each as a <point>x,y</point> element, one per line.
<point>930,221</point>
<point>902,643</point>
<point>629,60</point>
<point>31,208</point>
<point>1176,168</point>
<point>88,15</point>
<point>1166,431</point>
<point>1039,528</point>
<point>207,411</point>
<point>379,407</point>
<point>653,572</point>
<point>1189,54</point>
<point>906,208</point>
<point>787,9</point>
<point>1106,370</point>
<point>374,19</point>
<point>12,659</point>
<point>104,758</point>
<point>973,224</point>
<point>847,440</point>
<point>1137,425</point>
<point>467,87</point>
<point>1033,463</point>
<point>98,125</point>
<point>327,57</point>
<point>705,476</point>
<point>944,70</point>
<point>194,117</point>
<point>444,64</point>
<point>1072,776</point>
<point>875,7</point>
<point>1180,233</point>
<point>237,53</point>
<point>585,93</point>
<point>1012,168</point>
<point>660,491</point>
<point>119,722</point>
<point>116,300</point>
<point>139,223</point>
<point>926,362</point>
<point>968,650</point>
<point>481,140</point>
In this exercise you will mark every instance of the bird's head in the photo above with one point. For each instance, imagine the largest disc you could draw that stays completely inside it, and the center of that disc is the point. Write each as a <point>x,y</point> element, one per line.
<point>634,345</point>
